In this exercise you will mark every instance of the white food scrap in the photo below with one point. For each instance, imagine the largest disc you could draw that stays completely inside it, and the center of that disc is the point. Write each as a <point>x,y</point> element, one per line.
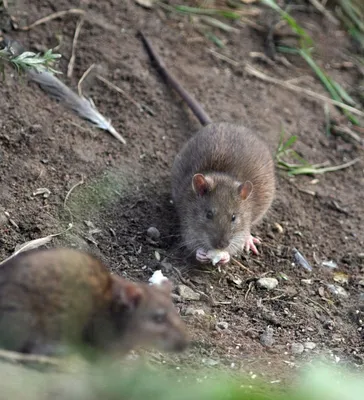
<point>157,278</point>
<point>217,255</point>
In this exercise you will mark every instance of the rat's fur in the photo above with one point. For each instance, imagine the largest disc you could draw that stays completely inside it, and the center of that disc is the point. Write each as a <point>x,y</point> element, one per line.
<point>228,156</point>
<point>51,300</point>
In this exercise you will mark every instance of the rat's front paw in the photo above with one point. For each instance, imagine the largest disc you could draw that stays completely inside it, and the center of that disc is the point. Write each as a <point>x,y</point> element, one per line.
<point>250,244</point>
<point>202,256</point>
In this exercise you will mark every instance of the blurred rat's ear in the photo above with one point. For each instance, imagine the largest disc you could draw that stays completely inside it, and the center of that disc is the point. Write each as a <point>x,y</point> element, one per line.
<point>201,184</point>
<point>126,294</point>
<point>245,189</point>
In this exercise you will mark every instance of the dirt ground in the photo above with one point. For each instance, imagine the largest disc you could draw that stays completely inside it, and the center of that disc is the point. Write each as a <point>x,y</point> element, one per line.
<point>126,189</point>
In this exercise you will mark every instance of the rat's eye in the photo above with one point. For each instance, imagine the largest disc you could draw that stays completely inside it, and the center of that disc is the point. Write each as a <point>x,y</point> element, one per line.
<point>233,218</point>
<point>209,214</point>
<point>160,316</point>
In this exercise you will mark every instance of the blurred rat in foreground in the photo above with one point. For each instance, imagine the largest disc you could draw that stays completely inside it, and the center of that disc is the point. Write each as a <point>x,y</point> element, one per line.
<point>52,301</point>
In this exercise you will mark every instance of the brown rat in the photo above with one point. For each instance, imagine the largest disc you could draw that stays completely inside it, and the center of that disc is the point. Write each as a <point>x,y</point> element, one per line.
<point>51,300</point>
<point>223,182</point>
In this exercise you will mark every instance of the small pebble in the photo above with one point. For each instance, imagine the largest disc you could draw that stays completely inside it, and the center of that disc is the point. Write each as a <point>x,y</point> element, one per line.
<point>153,233</point>
<point>329,324</point>
<point>309,345</point>
<point>167,266</point>
<point>222,325</point>
<point>187,293</point>
<point>338,290</point>
<point>210,362</point>
<point>278,227</point>
<point>266,338</point>
<point>267,283</point>
<point>329,264</point>
<point>194,311</point>
<point>297,348</point>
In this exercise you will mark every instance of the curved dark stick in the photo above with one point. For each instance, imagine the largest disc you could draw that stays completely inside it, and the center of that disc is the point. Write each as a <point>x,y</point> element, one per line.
<point>192,103</point>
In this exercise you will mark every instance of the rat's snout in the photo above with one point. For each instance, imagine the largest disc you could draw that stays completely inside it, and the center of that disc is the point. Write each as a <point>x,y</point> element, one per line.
<point>221,242</point>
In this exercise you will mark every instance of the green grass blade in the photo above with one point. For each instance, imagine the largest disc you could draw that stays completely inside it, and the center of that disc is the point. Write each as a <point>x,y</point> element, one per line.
<point>289,143</point>
<point>343,93</point>
<point>219,43</point>
<point>207,11</point>
<point>217,24</point>
<point>353,13</point>
<point>306,40</point>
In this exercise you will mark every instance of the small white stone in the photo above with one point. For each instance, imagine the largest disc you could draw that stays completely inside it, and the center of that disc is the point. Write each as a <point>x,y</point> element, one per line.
<point>194,311</point>
<point>267,283</point>
<point>309,345</point>
<point>297,348</point>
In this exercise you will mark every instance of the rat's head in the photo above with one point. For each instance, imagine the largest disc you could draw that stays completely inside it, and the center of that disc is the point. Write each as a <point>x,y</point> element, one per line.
<point>220,216</point>
<point>147,316</point>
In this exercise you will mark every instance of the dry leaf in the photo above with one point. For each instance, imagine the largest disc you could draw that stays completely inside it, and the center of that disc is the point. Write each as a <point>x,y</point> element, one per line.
<point>44,191</point>
<point>341,277</point>
<point>34,244</point>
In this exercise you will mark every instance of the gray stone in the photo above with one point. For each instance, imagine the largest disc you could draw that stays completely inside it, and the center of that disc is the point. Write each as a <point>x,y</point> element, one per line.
<point>187,293</point>
<point>153,233</point>
<point>267,283</point>
<point>309,345</point>
<point>194,311</point>
<point>337,290</point>
<point>266,338</point>
<point>297,348</point>
<point>222,325</point>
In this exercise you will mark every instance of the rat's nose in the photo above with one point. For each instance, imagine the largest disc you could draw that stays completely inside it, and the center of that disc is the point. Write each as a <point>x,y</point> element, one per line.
<point>222,243</point>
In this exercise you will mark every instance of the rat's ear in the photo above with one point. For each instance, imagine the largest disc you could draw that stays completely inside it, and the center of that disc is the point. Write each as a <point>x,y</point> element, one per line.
<point>134,295</point>
<point>126,294</point>
<point>245,190</point>
<point>201,184</point>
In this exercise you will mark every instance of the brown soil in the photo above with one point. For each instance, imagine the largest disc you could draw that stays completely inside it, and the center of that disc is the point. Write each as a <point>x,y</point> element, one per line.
<point>126,189</point>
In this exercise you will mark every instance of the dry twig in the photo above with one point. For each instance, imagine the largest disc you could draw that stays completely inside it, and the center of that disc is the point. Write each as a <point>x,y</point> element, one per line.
<point>239,264</point>
<point>320,7</point>
<point>223,57</point>
<point>140,107</point>
<point>81,182</point>
<point>344,130</point>
<point>260,75</point>
<point>59,14</point>
<point>83,77</point>
<point>19,358</point>
<point>74,45</point>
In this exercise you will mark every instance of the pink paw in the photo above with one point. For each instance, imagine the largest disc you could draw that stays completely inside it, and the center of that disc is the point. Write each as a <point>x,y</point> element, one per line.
<point>250,244</point>
<point>201,256</point>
